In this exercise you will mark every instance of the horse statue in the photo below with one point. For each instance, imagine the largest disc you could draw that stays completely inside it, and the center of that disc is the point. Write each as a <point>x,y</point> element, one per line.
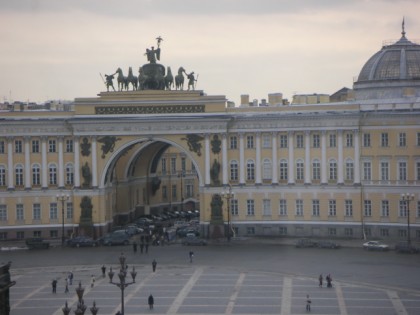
<point>179,79</point>
<point>132,79</point>
<point>122,80</point>
<point>169,79</point>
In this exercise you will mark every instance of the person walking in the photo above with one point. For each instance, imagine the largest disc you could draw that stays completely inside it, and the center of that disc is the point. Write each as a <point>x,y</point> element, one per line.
<point>329,281</point>
<point>103,268</point>
<point>151,301</point>
<point>134,247</point>
<point>141,247</point>
<point>308,303</point>
<point>191,254</point>
<point>146,247</point>
<point>154,263</point>
<point>66,290</point>
<point>71,278</point>
<point>92,281</point>
<point>54,286</point>
<point>321,279</point>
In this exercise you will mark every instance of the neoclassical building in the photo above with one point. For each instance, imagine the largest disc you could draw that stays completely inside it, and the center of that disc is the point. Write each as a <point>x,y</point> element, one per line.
<point>323,166</point>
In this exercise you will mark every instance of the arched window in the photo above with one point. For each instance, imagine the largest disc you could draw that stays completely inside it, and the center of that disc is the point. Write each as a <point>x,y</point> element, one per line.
<point>19,175</point>
<point>250,170</point>
<point>2,175</point>
<point>234,170</point>
<point>299,170</point>
<point>52,168</point>
<point>36,174</point>
<point>69,174</point>
<point>283,169</point>
<point>333,170</point>
<point>267,171</point>
<point>316,169</point>
<point>349,169</point>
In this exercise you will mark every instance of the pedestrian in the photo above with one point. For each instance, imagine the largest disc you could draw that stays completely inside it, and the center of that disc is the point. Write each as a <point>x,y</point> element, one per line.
<point>146,247</point>
<point>320,280</point>
<point>151,301</point>
<point>66,290</point>
<point>141,248</point>
<point>71,278</point>
<point>329,281</point>
<point>191,256</point>
<point>308,303</point>
<point>54,286</point>
<point>103,268</point>
<point>154,263</point>
<point>92,281</point>
<point>134,247</point>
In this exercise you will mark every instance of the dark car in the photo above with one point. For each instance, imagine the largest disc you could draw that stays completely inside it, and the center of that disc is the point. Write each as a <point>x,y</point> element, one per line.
<point>115,239</point>
<point>305,242</point>
<point>405,247</point>
<point>82,241</point>
<point>328,244</point>
<point>193,240</point>
<point>37,243</point>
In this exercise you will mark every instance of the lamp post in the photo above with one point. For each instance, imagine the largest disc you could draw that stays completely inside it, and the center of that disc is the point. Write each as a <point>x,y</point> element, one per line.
<point>63,197</point>
<point>182,175</point>
<point>122,284</point>
<point>406,198</point>
<point>228,195</point>
<point>81,307</point>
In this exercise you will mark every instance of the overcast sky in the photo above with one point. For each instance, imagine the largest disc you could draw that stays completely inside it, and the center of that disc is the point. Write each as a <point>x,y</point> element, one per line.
<point>56,49</point>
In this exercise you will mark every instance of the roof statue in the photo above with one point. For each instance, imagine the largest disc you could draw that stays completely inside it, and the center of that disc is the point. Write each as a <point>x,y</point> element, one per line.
<point>152,75</point>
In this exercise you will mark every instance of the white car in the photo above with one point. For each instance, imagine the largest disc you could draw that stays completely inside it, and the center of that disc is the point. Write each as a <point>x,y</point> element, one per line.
<point>375,245</point>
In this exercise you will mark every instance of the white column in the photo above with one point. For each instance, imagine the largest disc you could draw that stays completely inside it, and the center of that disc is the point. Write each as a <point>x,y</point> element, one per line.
<point>76,162</point>
<point>356,158</point>
<point>340,163</point>
<point>60,162</point>
<point>225,166</point>
<point>307,157</point>
<point>324,157</point>
<point>241,159</point>
<point>94,164</point>
<point>258,159</point>
<point>275,176</point>
<point>207,151</point>
<point>291,177</point>
<point>44,166</point>
<point>10,169</point>
<point>27,163</point>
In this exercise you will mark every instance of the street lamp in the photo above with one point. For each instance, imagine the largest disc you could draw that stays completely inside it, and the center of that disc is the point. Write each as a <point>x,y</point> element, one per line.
<point>63,197</point>
<point>406,198</point>
<point>81,307</point>
<point>228,195</point>
<point>122,284</point>
<point>182,175</point>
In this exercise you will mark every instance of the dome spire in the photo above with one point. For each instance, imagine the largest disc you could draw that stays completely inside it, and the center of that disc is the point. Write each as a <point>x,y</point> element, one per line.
<point>403,28</point>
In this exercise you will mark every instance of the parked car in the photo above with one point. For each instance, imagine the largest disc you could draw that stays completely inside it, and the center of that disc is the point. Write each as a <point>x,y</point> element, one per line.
<point>193,240</point>
<point>182,232</point>
<point>305,242</point>
<point>115,239</point>
<point>328,244</point>
<point>405,247</point>
<point>37,243</point>
<point>82,241</point>
<point>375,245</point>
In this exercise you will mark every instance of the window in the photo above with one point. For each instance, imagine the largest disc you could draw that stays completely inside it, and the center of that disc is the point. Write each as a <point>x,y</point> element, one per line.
<point>69,145</point>
<point>53,234</point>
<point>402,233</point>
<point>403,209</point>
<point>36,175</point>
<point>316,170</point>
<point>3,236</point>
<point>250,209</point>
<point>418,139</point>
<point>299,141</point>
<point>368,231</point>
<point>190,189</point>
<point>173,191</point>
<point>333,140</point>
<point>384,170</point>
<point>183,164</point>
<point>384,139</point>
<point>402,171</point>
<point>20,235</point>
<point>267,171</point>
<point>402,139</point>
<point>249,142</point>
<point>37,234</point>
<point>348,205</point>
<point>367,170</point>
<point>2,147</point>
<point>384,232</point>
<point>417,170</point>
<point>51,146</point>
<point>267,207</point>
<point>332,231</point>
<point>315,207</point>
<point>250,230</point>
<point>2,176</point>
<point>3,213</point>
<point>332,208</point>
<point>385,208</point>
<point>234,206</point>
<point>234,170</point>
<point>36,211</point>
<point>349,140</point>
<point>283,141</point>
<point>173,165</point>
<point>299,170</point>
<point>69,210</point>
<point>366,140</point>
<point>19,175</point>
<point>19,212</point>
<point>53,211</point>
<point>266,141</point>
<point>299,207</point>
<point>164,192</point>
<point>333,170</point>
<point>349,170</point>
<point>233,140</point>
<point>18,146</point>
<point>348,231</point>
<point>250,170</point>
<point>35,146</point>
<point>53,174</point>
<point>367,208</point>
<point>69,174</point>
<point>283,230</point>
<point>283,170</point>
<point>282,207</point>
<point>316,141</point>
